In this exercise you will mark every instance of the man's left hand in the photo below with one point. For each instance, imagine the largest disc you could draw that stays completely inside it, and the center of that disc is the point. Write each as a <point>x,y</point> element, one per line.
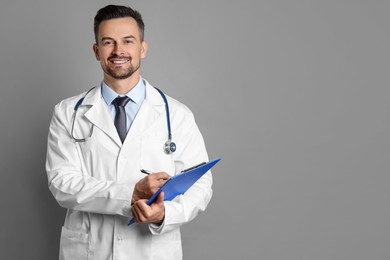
<point>155,213</point>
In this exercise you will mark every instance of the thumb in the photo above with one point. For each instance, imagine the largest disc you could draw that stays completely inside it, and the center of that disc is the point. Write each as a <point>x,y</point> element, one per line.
<point>160,198</point>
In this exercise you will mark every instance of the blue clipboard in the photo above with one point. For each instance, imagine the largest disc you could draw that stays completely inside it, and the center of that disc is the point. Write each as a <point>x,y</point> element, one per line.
<point>180,183</point>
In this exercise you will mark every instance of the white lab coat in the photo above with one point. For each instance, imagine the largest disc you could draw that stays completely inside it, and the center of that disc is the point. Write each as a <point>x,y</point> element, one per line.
<point>95,179</point>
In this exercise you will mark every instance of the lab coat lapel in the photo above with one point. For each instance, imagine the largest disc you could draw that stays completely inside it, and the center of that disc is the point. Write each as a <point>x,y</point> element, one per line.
<point>149,113</point>
<point>98,114</point>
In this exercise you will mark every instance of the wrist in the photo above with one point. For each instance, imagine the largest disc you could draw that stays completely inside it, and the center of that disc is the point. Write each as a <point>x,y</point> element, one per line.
<point>161,218</point>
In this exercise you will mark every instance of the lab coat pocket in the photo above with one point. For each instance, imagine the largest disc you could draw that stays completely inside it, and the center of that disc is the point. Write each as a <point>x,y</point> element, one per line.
<point>167,246</point>
<point>74,245</point>
<point>167,250</point>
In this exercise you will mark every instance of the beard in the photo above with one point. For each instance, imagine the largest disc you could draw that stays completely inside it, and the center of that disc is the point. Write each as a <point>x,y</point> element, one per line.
<point>121,73</point>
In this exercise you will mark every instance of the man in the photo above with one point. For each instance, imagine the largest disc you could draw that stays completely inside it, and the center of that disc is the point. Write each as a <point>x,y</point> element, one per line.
<point>98,142</point>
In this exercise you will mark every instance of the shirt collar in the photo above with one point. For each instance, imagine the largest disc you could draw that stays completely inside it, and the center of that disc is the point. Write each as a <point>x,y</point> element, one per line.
<point>136,94</point>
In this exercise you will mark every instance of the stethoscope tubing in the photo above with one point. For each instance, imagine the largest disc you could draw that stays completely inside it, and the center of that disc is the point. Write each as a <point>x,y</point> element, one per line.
<point>169,146</point>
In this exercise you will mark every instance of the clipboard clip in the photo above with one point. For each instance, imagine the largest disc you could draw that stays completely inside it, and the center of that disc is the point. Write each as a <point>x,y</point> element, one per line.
<point>193,167</point>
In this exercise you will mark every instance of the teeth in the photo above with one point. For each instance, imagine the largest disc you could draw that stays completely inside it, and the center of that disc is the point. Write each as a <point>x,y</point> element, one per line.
<point>119,61</point>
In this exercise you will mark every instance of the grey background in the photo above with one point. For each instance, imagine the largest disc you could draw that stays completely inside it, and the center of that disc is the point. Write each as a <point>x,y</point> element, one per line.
<point>294,95</point>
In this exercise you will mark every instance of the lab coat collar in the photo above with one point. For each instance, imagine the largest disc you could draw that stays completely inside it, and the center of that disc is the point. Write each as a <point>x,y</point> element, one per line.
<point>151,109</point>
<point>97,114</point>
<point>152,95</point>
<point>148,115</point>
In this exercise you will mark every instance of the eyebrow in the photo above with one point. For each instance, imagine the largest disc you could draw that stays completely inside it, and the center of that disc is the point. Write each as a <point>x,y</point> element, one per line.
<point>126,37</point>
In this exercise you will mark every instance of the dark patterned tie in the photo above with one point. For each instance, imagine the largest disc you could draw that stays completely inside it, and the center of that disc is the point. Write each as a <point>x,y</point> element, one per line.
<point>120,116</point>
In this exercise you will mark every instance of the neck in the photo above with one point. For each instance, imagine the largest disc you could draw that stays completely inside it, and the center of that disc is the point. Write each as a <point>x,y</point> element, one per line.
<point>122,86</point>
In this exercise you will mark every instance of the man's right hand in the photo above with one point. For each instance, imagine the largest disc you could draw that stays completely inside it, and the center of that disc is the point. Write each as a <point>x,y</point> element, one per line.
<point>146,187</point>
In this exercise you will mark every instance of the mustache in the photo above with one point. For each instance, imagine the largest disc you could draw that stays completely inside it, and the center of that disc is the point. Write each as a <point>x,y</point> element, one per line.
<point>119,57</point>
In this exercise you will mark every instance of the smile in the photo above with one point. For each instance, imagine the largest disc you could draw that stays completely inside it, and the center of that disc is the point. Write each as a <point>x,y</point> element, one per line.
<point>119,62</point>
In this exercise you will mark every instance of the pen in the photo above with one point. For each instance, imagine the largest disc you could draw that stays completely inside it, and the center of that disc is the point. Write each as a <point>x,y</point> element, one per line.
<point>146,171</point>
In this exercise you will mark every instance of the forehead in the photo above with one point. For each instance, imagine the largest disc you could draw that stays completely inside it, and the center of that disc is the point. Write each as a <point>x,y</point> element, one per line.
<point>118,28</point>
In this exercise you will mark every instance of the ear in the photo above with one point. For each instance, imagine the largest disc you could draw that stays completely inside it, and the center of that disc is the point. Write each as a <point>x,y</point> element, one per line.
<point>144,49</point>
<point>96,51</point>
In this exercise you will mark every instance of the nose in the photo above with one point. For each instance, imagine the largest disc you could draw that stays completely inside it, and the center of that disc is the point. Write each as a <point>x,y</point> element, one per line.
<point>118,49</point>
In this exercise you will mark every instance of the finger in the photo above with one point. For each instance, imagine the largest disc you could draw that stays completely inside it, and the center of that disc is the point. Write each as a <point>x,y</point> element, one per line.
<point>135,214</point>
<point>161,176</point>
<point>138,211</point>
<point>158,181</point>
<point>142,208</point>
<point>134,199</point>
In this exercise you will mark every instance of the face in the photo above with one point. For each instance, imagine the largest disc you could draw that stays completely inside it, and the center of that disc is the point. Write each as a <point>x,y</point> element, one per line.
<point>119,48</point>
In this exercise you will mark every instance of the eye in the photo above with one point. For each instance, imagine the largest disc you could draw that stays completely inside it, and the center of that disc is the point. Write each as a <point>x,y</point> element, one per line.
<point>107,42</point>
<point>129,41</point>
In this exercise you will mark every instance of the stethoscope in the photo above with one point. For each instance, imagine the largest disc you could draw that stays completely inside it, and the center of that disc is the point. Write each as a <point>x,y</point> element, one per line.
<point>169,146</point>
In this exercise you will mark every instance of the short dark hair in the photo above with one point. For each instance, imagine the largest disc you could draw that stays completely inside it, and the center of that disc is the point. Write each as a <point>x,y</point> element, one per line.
<point>117,11</point>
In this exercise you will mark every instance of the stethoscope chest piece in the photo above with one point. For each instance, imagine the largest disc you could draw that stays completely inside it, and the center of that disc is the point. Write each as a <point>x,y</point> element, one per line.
<point>169,147</point>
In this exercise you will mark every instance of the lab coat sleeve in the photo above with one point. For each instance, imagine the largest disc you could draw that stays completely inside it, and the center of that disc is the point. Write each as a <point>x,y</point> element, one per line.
<point>186,207</point>
<point>73,188</point>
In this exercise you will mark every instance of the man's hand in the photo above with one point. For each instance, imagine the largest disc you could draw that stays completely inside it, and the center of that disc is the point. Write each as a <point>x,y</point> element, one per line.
<point>146,187</point>
<point>155,213</point>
